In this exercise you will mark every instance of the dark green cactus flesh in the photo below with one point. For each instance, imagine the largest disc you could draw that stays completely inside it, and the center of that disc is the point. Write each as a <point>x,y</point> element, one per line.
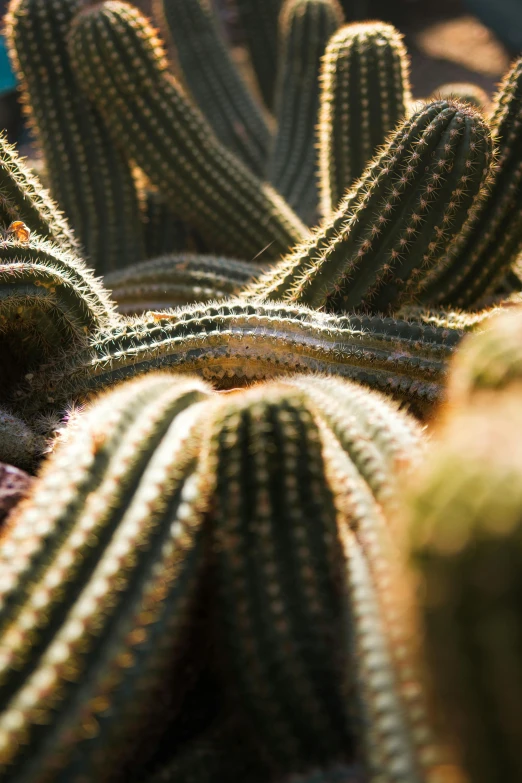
<point>214,81</point>
<point>171,281</point>
<point>375,253</point>
<point>165,232</point>
<point>88,176</point>
<point>305,28</point>
<point>466,547</point>
<point>480,259</point>
<point>234,344</point>
<point>168,138</point>
<point>365,93</point>
<point>259,23</point>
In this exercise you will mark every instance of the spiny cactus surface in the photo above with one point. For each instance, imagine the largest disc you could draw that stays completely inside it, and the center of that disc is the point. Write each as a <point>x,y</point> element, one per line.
<point>158,127</point>
<point>305,28</point>
<point>89,177</point>
<point>374,254</point>
<point>365,93</point>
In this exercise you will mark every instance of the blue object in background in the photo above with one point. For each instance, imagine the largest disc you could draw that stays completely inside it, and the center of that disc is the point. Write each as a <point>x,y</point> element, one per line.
<point>504,17</point>
<point>7,77</point>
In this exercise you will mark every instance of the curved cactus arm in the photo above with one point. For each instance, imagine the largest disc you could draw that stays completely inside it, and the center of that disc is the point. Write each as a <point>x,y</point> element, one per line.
<point>259,22</point>
<point>168,138</point>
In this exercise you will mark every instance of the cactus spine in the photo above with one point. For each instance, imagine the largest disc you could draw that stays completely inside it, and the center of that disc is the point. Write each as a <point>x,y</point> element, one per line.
<point>259,21</point>
<point>481,257</point>
<point>170,141</point>
<point>374,254</point>
<point>19,445</point>
<point>214,81</point>
<point>176,280</point>
<point>465,533</point>
<point>462,91</point>
<point>235,343</point>
<point>364,94</point>
<point>88,176</point>
<point>305,29</point>
<point>114,567</point>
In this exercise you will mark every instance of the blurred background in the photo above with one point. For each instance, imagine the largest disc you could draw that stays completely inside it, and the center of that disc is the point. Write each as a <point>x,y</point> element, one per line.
<point>448,40</point>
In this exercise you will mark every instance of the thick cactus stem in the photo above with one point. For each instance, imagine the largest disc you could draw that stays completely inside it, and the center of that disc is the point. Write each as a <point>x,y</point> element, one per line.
<point>169,139</point>
<point>305,29</point>
<point>412,203</point>
<point>259,21</point>
<point>365,94</point>
<point>171,281</point>
<point>88,176</point>
<point>466,538</point>
<point>215,82</point>
<point>235,344</point>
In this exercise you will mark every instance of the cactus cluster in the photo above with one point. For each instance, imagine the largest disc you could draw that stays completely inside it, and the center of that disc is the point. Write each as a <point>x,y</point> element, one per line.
<point>273,533</point>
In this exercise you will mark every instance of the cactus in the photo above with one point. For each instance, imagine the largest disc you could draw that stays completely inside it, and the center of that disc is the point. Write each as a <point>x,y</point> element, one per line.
<point>477,263</point>
<point>305,29</point>
<point>462,91</point>
<point>465,537</point>
<point>114,566</point>
<point>19,445</point>
<point>374,254</point>
<point>14,486</point>
<point>233,344</point>
<point>214,81</point>
<point>23,198</point>
<point>170,141</point>
<point>88,176</point>
<point>259,22</point>
<point>170,281</point>
<point>489,360</point>
<point>365,93</point>
<point>164,231</point>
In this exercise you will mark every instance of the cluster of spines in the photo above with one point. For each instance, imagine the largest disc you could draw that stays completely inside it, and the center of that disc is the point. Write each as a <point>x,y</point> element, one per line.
<point>175,280</point>
<point>88,176</point>
<point>365,93</point>
<point>233,344</point>
<point>305,29</point>
<point>483,254</point>
<point>463,519</point>
<point>375,253</point>
<point>168,138</point>
<point>215,82</point>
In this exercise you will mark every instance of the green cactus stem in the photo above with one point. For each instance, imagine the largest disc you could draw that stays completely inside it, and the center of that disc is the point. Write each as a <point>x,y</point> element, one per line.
<point>365,93</point>
<point>491,360</point>
<point>463,91</point>
<point>164,231</point>
<point>375,253</point>
<point>176,280</point>
<point>168,138</point>
<point>215,82</point>
<point>305,29</point>
<point>465,536</point>
<point>259,23</point>
<point>22,197</point>
<point>477,263</point>
<point>104,584</point>
<point>88,176</point>
<point>234,344</point>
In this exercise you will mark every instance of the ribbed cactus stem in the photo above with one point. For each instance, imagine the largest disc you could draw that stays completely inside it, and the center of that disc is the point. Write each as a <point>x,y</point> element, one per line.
<point>171,281</point>
<point>491,360</point>
<point>365,93</point>
<point>214,81</point>
<point>259,22</point>
<point>235,343</point>
<point>478,262</point>
<point>165,232</point>
<point>168,138</point>
<point>88,176</point>
<point>376,251</point>
<point>22,197</point>
<point>101,567</point>
<point>305,29</point>
<point>465,535</point>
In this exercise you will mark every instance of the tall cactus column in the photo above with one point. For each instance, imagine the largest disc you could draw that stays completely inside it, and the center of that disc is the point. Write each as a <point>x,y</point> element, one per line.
<point>305,28</point>
<point>168,138</point>
<point>364,94</point>
<point>89,177</point>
